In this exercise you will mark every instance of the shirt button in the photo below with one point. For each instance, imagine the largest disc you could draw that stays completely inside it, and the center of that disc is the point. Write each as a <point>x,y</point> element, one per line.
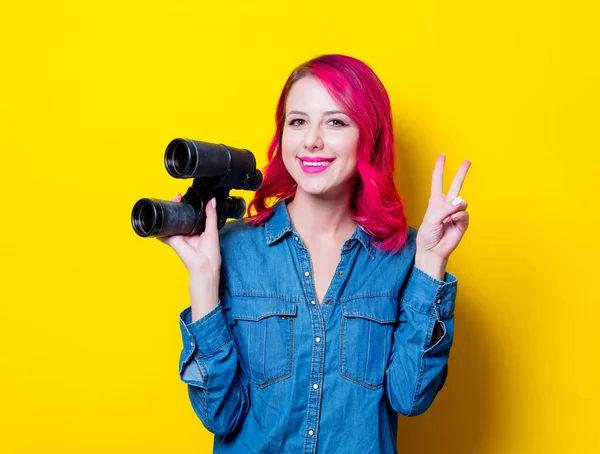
<point>310,432</point>
<point>315,386</point>
<point>313,302</point>
<point>438,301</point>
<point>296,238</point>
<point>348,244</point>
<point>317,339</point>
<point>340,274</point>
<point>306,273</point>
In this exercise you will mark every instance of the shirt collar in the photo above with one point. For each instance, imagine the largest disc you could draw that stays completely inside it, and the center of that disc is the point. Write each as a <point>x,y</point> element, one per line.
<point>280,224</point>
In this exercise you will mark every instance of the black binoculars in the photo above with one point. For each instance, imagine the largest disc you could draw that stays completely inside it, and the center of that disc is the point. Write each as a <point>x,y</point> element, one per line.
<point>216,169</point>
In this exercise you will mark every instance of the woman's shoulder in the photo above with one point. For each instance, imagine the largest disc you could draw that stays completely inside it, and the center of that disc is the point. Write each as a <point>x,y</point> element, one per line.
<point>239,232</point>
<point>411,237</point>
<point>244,250</point>
<point>406,251</point>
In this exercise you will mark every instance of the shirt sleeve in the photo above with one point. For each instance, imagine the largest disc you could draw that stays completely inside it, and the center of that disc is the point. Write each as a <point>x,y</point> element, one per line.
<point>417,370</point>
<point>208,364</point>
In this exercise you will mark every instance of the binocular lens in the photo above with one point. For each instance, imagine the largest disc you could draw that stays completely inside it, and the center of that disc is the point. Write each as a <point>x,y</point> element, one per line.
<point>147,219</point>
<point>178,159</point>
<point>144,218</point>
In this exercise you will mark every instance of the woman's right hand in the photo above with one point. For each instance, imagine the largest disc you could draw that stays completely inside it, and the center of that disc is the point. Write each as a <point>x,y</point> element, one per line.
<point>201,255</point>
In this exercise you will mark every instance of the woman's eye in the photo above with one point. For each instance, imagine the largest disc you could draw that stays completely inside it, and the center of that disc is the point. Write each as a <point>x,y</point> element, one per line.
<point>299,121</point>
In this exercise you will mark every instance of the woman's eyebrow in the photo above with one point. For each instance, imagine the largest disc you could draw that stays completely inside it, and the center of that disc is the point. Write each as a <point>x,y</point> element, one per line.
<point>329,112</point>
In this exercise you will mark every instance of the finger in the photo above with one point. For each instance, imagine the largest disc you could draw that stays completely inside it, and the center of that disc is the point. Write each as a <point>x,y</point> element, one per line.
<point>438,175</point>
<point>211,227</point>
<point>454,216</point>
<point>183,249</point>
<point>451,207</point>
<point>459,179</point>
<point>461,218</point>
<point>211,234</point>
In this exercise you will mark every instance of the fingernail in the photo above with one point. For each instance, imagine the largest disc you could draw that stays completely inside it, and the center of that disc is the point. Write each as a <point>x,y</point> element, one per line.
<point>457,201</point>
<point>454,216</point>
<point>214,202</point>
<point>446,220</point>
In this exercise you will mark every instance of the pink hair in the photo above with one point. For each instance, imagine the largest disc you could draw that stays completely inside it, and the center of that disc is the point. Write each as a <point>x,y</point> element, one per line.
<point>377,207</point>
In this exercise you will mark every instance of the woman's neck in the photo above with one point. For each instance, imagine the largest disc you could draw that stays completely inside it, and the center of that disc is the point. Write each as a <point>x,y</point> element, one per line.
<point>322,218</point>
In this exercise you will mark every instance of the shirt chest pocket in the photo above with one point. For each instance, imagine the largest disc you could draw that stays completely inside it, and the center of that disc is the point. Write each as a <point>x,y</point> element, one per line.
<point>264,335</point>
<point>367,333</point>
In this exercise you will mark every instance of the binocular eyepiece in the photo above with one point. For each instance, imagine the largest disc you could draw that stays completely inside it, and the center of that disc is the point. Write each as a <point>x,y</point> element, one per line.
<point>216,169</point>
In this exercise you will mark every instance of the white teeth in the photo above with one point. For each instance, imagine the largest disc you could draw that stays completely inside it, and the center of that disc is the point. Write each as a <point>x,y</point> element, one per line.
<point>316,164</point>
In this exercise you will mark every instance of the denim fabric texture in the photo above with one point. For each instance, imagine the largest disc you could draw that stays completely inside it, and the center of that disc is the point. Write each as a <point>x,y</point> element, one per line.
<point>271,371</point>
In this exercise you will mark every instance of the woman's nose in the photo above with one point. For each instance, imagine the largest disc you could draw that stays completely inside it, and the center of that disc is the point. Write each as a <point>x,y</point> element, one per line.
<point>313,139</point>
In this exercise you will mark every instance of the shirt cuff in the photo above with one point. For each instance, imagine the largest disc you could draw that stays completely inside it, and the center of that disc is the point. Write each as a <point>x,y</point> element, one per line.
<point>428,294</point>
<point>205,335</point>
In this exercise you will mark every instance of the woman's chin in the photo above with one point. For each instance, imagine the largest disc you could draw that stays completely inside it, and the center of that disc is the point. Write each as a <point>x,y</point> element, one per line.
<point>319,190</point>
<point>316,186</point>
<point>313,189</point>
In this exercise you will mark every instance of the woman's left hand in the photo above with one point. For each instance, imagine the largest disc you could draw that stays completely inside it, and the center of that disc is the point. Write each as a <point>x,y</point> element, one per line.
<point>444,223</point>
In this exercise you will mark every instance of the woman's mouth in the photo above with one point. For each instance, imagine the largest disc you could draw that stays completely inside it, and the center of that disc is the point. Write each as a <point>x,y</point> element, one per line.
<point>315,166</point>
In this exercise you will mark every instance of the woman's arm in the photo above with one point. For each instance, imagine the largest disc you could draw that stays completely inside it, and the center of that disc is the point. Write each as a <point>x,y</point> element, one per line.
<point>217,388</point>
<point>418,365</point>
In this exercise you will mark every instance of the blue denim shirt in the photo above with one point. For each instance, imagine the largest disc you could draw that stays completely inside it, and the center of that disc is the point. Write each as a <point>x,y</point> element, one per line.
<point>269,370</point>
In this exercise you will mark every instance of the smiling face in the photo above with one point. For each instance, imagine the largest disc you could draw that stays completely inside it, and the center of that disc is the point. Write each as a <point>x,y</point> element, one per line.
<point>319,140</point>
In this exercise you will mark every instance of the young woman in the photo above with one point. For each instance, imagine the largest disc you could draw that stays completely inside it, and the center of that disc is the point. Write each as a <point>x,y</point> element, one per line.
<point>315,322</point>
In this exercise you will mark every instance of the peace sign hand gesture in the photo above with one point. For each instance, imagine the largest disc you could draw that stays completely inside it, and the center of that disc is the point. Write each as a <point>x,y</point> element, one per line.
<point>446,219</point>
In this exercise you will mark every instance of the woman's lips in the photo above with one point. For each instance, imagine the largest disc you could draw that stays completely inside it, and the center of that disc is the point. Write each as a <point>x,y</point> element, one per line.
<point>314,168</point>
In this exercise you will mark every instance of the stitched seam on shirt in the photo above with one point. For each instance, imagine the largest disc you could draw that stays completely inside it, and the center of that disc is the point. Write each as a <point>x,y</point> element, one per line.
<point>290,371</point>
<point>291,361</point>
<point>262,316</point>
<point>204,321</point>
<point>266,295</point>
<point>422,368</point>
<point>186,359</point>
<point>368,295</point>
<point>308,440</point>
<point>199,363</point>
<point>270,382</point>
<point>268,231</point>
<point>417,308</point>
<point>215,350</point>
<point>341,372</point>
<point>362,383</point>
<point>203,399</point>
<point>444,284</point>
<point>433,313</point>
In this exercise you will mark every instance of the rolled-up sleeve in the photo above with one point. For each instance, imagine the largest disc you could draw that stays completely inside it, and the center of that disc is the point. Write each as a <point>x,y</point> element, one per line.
<point>208,364</point>
<point>417,370</point>
<point>203,337</point>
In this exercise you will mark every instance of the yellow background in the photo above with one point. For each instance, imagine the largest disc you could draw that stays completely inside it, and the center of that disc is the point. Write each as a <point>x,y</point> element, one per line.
<point>93,91</point>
